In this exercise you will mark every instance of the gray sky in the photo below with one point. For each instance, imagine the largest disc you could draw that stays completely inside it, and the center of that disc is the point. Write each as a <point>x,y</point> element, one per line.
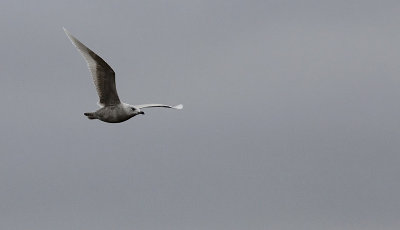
<point>291,117</point>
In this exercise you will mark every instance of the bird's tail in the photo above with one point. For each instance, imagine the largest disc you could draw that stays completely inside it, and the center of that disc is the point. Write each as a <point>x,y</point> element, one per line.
<point>91,116</point>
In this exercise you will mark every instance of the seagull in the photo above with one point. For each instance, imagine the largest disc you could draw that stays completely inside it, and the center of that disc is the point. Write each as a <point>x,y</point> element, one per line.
<point>112,110</point>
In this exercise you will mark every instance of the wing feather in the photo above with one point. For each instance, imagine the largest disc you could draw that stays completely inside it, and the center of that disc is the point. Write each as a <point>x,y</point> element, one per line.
<point>103,75</point>
<point>180,106</point>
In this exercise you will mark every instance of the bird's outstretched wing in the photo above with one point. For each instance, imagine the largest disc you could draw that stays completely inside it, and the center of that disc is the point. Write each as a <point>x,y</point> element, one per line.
<point>180,106</point>
<point>103,75</point>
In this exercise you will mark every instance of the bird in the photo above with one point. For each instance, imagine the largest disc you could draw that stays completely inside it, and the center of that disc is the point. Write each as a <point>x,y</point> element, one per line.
<point>112,110</point>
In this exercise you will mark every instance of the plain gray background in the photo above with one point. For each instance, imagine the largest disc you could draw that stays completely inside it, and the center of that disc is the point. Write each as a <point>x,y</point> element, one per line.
<point>291,117</point>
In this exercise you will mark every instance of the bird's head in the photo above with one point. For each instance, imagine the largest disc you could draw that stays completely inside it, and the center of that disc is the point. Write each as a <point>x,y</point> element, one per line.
<point>136,111</point>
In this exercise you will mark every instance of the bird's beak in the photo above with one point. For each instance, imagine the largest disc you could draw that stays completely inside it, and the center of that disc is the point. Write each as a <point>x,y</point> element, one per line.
<point>141,112</point>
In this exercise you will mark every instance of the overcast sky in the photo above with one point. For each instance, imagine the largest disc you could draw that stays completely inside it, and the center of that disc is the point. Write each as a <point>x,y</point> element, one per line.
<point>291,117</point>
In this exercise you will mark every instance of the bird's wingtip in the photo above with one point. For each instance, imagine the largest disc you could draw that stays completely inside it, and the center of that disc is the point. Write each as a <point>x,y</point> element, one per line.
<point>66,31</point>
<point>180,106</point>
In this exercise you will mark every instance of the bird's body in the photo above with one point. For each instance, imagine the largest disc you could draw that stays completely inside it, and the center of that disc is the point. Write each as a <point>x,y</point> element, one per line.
<point>112,109</point>
<point>114,113</point>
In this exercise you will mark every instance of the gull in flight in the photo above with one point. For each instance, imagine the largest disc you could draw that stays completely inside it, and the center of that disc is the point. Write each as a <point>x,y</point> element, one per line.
<point>112,109</point>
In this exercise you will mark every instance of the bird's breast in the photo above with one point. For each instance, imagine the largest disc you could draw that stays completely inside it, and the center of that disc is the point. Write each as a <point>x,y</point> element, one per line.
<point>113,114</point>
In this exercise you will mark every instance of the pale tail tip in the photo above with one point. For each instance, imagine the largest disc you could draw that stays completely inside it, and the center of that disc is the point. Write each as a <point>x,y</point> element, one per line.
<point>180,106</point>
